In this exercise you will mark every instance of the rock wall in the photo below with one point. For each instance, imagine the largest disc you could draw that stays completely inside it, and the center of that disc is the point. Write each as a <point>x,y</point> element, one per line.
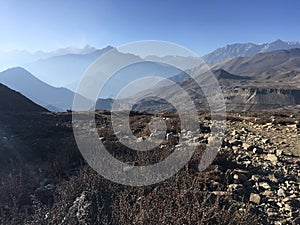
<point>254,99</point>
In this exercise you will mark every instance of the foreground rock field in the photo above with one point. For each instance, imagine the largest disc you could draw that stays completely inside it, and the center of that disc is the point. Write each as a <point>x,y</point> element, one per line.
<point>255,178</point>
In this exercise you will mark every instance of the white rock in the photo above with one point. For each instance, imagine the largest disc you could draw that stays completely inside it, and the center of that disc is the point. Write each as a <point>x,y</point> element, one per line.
<point>281,193</point>
<point>254,198</point>
<point>271,157</point>
<point>265,185</point>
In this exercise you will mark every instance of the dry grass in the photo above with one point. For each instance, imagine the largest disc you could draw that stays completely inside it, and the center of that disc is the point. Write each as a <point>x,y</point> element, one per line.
<point>186,198</point>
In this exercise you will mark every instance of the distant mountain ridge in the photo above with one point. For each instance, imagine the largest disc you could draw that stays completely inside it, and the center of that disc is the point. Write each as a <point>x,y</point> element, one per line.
<point>248,49</point>
<point>52,98</point>
<point>64,69</point>
<point>17,58</point>
<point>280,67</point>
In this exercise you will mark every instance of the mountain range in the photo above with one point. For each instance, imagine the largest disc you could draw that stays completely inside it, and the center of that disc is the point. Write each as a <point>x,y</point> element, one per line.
<point>67,70</point>
<point>61,99</point>
<point>16,58</point>
<point>261,82</point>
<point>276,72</point>
<point>280,67</point>
<point>64,67</point>
<point>248,49</point>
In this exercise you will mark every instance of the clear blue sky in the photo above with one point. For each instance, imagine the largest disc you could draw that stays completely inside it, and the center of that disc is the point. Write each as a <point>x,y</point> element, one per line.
<point>199,25</point>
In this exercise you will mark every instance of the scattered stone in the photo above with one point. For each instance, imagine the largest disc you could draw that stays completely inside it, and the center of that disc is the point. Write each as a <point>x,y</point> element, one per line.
<point>271,157</point>
<point>272,191</point>
<point>257,150</point>
<point>245,130</point>
<point>268,193</point>
<point>255,177</point>
<point>82,210</point>
<point>234,133</point>
<point>140,139</point>
<point>236,142</point>
<point>236,188</point>
<point>168,136</point>
<point>266,141</point>
<point>255,198</point>
<point>293,126</point>
<point>240,177</point>
<point>214,185</point>
<point>281,193</point>
<point>265,185</point>
<point>246,146</point>
<point>220,193</point>
<point>278,152</point>
<point>235,148</point>
<point>273,178</point>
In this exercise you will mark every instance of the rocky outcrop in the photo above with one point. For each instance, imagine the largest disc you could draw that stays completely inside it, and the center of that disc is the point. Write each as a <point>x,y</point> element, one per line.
<point>236,98</point>
<point>253,98</point>
<point>82,212</point>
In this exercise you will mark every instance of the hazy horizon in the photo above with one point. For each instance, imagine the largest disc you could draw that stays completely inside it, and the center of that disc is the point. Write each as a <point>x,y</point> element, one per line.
<point>74,49</point>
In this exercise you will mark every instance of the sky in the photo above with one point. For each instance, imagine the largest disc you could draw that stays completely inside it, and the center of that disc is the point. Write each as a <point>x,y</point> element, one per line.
<point>201,26</point>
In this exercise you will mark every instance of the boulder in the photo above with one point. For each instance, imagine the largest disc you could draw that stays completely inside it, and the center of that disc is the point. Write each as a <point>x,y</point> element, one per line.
<point>255,198</point>
<point>272,157</point>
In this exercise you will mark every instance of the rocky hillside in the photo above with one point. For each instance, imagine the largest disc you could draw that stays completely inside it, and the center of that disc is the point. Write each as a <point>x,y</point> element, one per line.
<point>17,113</point>
<point>278,67</point>
<point>262,99</point>
<point>12,101</point>
<point>241,94</point>
<point>253,180</point>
